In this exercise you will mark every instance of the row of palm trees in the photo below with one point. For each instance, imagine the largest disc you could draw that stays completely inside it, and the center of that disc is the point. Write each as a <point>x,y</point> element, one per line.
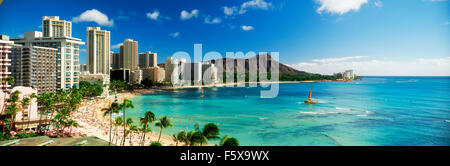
<point>58,105</point>
<point>13,105</point>
<point>195,137</point>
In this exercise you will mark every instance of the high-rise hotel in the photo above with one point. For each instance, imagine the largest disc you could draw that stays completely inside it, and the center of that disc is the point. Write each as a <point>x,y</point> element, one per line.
<point>58,34</point>
<point>5,62</point>
<point>98,51</point>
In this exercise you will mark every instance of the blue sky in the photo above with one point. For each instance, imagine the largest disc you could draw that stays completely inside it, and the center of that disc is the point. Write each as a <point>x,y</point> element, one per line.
<point>373,37</point>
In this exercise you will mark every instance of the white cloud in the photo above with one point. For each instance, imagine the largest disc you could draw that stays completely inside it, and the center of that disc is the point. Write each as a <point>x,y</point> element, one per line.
<point>255,4</point>
<point>174,35</point>
<point>94,15</point>
<point>247,27</point>
<point>153,15</point>
<point>229,11</point>
<point>378,3</point>
<point>117,46</point>
<point>252,4</point>
<point>415,67</point>
<point>339,6</point>
<point>209,20</point>
<point>185,15</point>
<point>328,60</point>
<point>447,22</point>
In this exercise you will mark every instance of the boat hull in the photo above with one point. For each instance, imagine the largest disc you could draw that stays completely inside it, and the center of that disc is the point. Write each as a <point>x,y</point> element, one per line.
<point>311,102</point>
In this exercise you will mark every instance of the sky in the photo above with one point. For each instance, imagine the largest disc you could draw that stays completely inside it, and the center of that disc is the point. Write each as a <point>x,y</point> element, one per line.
<point>372,37</point>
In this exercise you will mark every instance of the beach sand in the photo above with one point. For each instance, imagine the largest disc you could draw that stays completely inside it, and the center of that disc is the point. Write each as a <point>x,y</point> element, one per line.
<point>92,122</point>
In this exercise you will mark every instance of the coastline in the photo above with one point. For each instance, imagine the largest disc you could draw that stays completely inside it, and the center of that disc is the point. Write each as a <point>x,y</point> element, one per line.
<point>240,83</point>
<point>92,122</point>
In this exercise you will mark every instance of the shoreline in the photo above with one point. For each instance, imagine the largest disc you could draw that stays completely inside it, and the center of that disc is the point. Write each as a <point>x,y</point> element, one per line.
<point>92,122</point>
<point>240,83</point>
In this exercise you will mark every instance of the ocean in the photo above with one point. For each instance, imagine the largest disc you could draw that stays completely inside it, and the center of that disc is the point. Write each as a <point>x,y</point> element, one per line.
<point>374,111</point>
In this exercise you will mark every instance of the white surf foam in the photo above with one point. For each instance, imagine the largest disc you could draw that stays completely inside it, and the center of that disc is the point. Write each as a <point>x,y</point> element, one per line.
<point>448,121</point>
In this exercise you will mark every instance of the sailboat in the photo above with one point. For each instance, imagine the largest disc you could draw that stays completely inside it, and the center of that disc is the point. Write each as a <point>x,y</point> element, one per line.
<point>309,101</point>
<point>202,96</point>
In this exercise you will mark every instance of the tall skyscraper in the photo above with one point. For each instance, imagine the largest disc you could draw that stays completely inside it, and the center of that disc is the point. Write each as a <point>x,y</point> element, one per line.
<point>130,53</point>
<point>53,27</point>
<point>5,62</point>
<point>115,59</point>
<point>98,46</point>
<point>34,66</point>
<point>147,59</point>
<point>67,59</point>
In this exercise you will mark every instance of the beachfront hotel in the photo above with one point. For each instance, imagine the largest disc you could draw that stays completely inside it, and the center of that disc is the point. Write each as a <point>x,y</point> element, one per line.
<point>58,36</point>
<point>29,117</point>
<point>98,46</point>
<point>53,27</point>
<point>130,53</point>
<point>5,62</point>
<point>34,66</point>
<point>147,59</point>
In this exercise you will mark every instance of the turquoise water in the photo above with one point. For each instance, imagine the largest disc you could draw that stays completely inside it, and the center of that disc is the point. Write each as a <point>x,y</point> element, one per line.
<point>373,111</point>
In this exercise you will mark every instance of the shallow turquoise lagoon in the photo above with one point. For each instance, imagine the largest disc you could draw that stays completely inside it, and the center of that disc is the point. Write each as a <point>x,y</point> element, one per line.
<point>373,111</point>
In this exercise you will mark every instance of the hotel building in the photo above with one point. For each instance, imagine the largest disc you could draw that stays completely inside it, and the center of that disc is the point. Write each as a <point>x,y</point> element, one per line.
<point>67,60</point>
<point>53,27</point>
<point>5,62</point>
<point>147,59</point>
<point>98,46</point>
<point>130,53</point>
<point>34,66</point>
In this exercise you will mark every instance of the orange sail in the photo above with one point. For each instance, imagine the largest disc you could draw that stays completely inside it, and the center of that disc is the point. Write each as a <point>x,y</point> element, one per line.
<point>309,101</point>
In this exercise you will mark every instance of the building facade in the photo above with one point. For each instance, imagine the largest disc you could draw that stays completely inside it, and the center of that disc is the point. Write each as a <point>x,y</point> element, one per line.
<point>34,66</point>
<point>130,53</point>
<point>29,117</point>
<point>147,59</point>
<point>97,49</point>
<point>67,60</point>
<point>155,74</point>
<point>53,27</point>
<point>5,62</point>
<point>116,61</point>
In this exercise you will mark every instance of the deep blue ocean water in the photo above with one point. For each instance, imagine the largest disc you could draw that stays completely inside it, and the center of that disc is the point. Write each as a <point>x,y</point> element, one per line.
<point>374,111</point>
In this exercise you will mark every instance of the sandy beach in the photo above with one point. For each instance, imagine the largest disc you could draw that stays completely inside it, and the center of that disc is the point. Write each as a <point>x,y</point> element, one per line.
<point>92,122</point>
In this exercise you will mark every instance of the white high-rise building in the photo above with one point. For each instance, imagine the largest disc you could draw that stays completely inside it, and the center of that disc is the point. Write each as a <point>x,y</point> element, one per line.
<point>98,50</point>
<point>5,62</point>
<point>130,53</point>
<point>53,27</point>
<point>67,59</point>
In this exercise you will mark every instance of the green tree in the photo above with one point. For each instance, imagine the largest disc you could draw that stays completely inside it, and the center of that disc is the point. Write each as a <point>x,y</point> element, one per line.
<point>181,136</point>
<point>210,131</point>
<point>117,122</point>
<point>163,123</point>
<point>125,104</point>
<point>113,108</point>
<point>156,143</point>
<point>231,142</point>
<point>148,118</point>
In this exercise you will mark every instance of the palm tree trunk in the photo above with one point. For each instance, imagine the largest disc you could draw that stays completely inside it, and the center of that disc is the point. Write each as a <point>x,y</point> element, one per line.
<point>29,112</point>
<point>160,132</point>
<point>145,132</point>
<point>110,128</point>
<point>124,123</point>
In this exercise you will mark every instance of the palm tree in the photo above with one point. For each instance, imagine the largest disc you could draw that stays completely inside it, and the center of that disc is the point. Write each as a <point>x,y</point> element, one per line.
<point>180,137</point>
<point>156,143</point>
<point>32,96</point>
<point>46,102</point>
<point>133,129</point>
<point>222,141</point>
<point>114,108</point>
<point>231,142</point>
<point>164,122</point>
<point>12,108</point>
<point>25,102</point>
<point>118,123</point>
<point>71,123</point>
<point>125,104</point>
<point>193,137</point>
<point>210,131</point>
<point>128,122</point>
<point>149,117</point>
